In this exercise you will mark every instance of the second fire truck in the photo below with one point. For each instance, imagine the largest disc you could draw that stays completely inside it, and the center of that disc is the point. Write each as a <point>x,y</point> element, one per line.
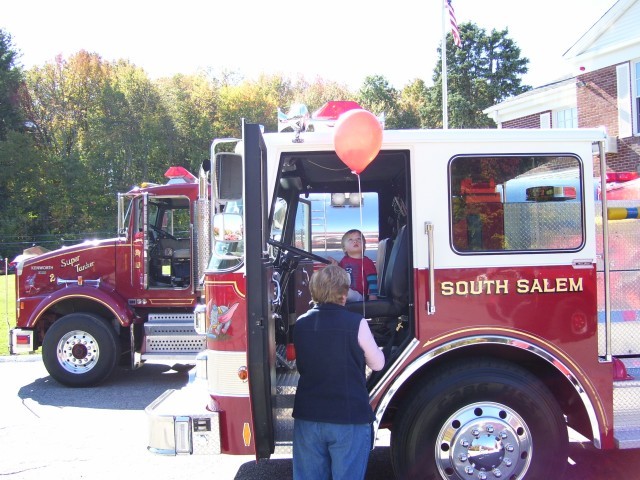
<point>125,300</point>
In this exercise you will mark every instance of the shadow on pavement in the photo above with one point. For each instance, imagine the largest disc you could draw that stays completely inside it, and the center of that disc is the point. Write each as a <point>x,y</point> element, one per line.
<point>124,390</point>
<point>592,463</point>
<point>379,467</point>
<point>281,469</point>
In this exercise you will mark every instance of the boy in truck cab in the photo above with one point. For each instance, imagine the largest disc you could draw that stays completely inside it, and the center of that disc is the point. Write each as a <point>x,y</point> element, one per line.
<point>360,268</point>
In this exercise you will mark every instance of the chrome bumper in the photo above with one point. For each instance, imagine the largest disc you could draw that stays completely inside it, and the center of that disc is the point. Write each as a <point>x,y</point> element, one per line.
<point>178,427</point>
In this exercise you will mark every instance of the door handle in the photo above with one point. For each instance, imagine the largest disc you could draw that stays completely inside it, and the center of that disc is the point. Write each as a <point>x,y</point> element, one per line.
<point>431,301</point>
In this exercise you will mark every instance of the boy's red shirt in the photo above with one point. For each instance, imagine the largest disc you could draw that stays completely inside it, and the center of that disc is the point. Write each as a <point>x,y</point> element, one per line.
<point>355,267</point>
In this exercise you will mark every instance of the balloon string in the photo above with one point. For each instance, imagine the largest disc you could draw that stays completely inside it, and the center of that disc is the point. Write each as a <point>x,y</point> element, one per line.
<point>364,286</point>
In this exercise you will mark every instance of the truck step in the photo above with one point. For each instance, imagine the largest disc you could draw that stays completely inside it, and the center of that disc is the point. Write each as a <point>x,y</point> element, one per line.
<point>626,393</point>
<point>626,408</point>
<point>174,342</point>
<point>284,430</point>
<point>170,318</point>
<point>171,334</point>
<point>626,436</point>
<point>286,386</point>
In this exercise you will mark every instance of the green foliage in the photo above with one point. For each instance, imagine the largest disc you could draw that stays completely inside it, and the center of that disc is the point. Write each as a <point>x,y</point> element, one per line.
<point>314,95</point>
<point>192,105</point>
<point>412,105</point>
<point>485,71</point>
<point>256,101</point>
<point>10,80</point>
<point>377,96</point>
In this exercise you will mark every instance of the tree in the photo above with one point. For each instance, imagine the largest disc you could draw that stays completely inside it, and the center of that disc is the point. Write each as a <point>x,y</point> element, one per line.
<point>257,101</point>
<point>61,100</point>
<point>485,71</point>
<point>192,104</point>
<point>412,105</point>
<point>10,80</point>
<point>137,129</point>
<point>315,94</point>
<point>19,159</point>
<point>101,128</point>
<point>377,96</point>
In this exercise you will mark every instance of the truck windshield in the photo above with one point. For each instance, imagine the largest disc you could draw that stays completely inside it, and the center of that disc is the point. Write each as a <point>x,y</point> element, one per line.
<point>322,218</point>
<point>333,214</point>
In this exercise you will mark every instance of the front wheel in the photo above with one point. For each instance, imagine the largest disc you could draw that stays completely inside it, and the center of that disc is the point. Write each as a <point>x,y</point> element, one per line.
<point>80,350</point>
<point>486,420</point>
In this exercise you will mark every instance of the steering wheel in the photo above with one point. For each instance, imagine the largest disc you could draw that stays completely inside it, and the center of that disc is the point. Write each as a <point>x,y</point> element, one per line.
<point>162,233</point>
<point>298,251</point>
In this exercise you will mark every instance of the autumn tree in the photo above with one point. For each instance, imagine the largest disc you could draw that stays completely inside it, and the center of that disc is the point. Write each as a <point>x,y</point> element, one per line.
<point>256,101</point>
<point>412,105</point>
<point>192,105</point>
<point>314,94</point>
<point>102,128</point>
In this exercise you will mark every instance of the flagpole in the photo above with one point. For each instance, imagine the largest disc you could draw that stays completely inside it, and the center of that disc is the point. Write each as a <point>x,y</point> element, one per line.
<point>443,75</point>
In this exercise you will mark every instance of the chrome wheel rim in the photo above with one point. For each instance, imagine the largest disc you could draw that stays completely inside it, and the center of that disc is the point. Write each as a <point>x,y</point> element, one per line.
<point>78,351</point>
<point>484,441</point>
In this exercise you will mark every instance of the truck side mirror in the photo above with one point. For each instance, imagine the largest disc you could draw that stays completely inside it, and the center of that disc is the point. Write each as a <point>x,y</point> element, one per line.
<point>227,227</point>
<point>228,174</point>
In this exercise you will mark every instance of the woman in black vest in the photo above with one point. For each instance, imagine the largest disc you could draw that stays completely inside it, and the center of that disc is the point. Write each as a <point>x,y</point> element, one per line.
<point>332,429</point>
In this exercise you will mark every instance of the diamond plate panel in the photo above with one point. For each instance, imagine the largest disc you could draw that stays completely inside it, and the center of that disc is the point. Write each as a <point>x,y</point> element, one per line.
<point>542,226</point>
<point>287,378</point>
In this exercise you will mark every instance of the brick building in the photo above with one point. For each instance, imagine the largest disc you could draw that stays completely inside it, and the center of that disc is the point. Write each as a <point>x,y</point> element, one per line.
<point>603,92</point>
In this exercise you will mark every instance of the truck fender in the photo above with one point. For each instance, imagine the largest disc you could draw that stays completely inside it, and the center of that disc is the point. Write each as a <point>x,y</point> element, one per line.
<point>109,300</point>
<point>427,357</point>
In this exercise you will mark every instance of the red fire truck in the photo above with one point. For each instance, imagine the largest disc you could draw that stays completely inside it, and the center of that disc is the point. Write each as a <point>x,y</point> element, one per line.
<point>508,312</point>
<point>124,300</point>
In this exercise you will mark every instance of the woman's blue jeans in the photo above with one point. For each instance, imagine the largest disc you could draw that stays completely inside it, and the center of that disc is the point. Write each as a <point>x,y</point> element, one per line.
<point>323,451</point>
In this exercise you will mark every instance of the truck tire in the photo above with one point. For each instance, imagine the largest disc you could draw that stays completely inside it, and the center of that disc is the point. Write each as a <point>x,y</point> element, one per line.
<point>480,419</point>
<point>80,350</point>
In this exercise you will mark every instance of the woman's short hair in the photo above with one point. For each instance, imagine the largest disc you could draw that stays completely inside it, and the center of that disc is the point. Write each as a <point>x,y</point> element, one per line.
<point>346,234</point>
<point>329,285</point>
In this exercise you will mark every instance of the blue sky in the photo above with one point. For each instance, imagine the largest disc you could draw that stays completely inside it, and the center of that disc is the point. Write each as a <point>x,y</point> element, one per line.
<point>340,40</point>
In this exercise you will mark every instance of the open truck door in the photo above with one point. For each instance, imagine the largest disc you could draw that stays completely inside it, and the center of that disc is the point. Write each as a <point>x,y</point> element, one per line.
<point>260,320</point>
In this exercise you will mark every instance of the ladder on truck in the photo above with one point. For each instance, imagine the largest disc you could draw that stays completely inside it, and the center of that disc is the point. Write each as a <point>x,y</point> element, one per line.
<point>319,221</point>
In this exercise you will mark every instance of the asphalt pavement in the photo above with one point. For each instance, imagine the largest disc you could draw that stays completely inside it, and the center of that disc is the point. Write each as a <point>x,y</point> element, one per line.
<point>48,431</point>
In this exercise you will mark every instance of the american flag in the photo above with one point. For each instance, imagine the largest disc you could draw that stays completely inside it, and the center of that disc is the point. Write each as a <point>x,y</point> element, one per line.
<point>454,24</point>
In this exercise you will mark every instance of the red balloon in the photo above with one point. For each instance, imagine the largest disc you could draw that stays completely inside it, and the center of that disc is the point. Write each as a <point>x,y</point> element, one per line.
<point>357,138</point>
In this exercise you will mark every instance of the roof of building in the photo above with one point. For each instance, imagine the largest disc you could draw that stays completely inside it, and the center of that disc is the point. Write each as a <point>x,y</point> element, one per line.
<point>611,40</point>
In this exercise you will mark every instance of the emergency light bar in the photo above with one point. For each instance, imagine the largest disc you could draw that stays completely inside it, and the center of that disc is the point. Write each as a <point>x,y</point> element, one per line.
<point>179,175</point>
<point>550,194</point>
<point>323,119</point>
<point>333,109</point>
<point>620,177</point>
